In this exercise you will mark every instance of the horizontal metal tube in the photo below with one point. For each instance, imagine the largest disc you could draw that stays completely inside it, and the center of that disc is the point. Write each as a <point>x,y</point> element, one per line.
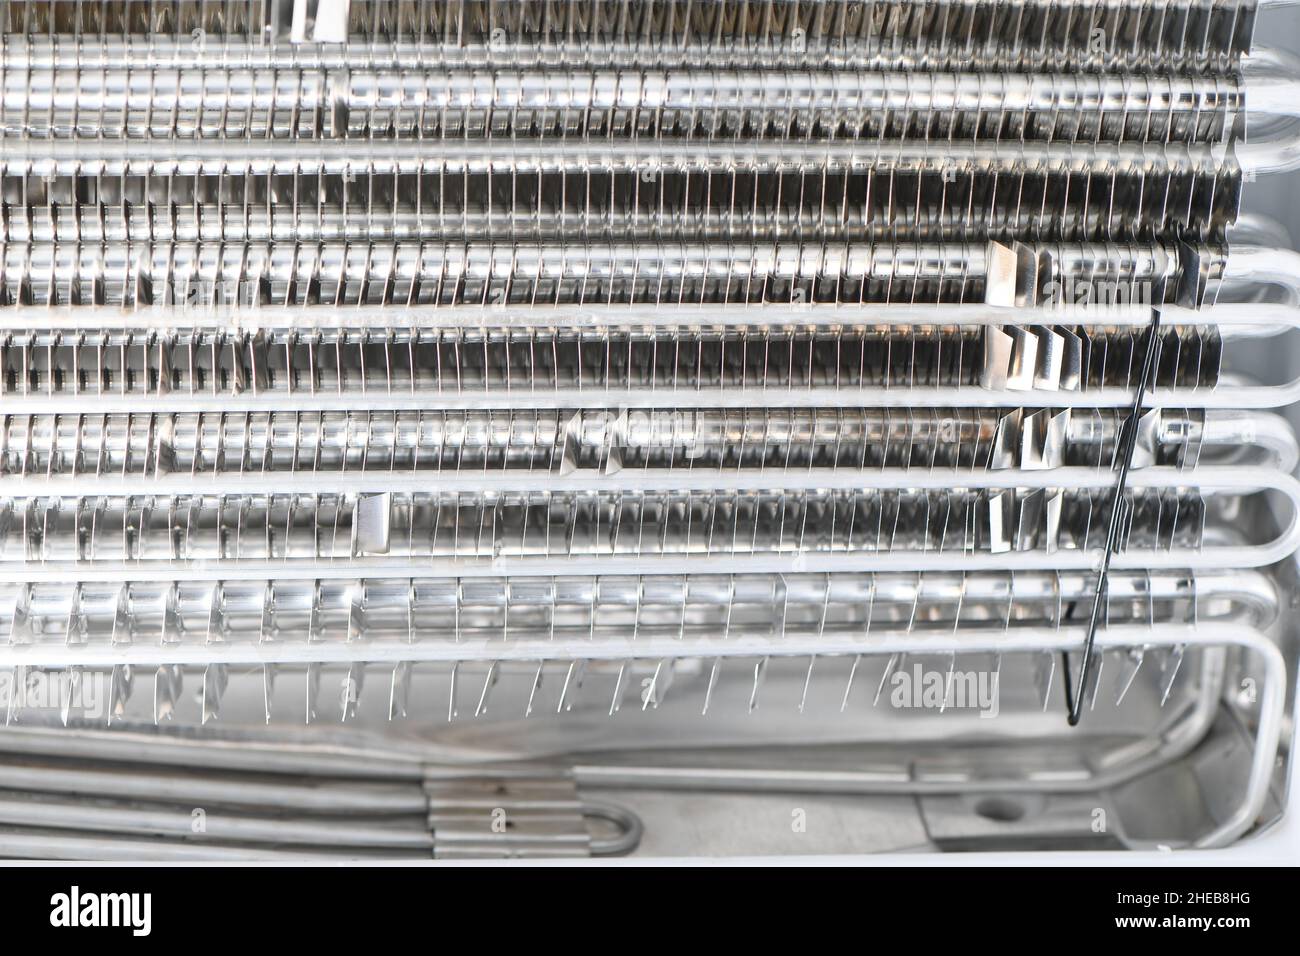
<point>776,33</point>
<point>999,55</point>
<point>509,273</point>
<point>660,517</point>
<point>755,514</point>
<point>625,366</point>
<point>211,790</point>
<point>644,214</point>
<point>26,843</point>
<point>143,820</point>
<point>307,103</point>
<point>109,157</point>
<point>540,442</point>
<point>441,609</point>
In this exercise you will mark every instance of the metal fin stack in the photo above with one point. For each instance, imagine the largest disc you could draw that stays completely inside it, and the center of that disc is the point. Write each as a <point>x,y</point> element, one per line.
<point>545,392</point>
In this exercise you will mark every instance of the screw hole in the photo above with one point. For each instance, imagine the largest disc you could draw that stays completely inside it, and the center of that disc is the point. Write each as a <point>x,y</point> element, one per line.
<point>1000,809</point>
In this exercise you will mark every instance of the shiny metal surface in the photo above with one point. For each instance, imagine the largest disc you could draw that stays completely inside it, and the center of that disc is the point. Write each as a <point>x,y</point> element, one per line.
<point>640,421</point>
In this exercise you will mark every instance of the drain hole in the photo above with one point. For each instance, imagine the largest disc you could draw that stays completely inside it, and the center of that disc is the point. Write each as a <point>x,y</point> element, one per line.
<point>1000,809</point>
